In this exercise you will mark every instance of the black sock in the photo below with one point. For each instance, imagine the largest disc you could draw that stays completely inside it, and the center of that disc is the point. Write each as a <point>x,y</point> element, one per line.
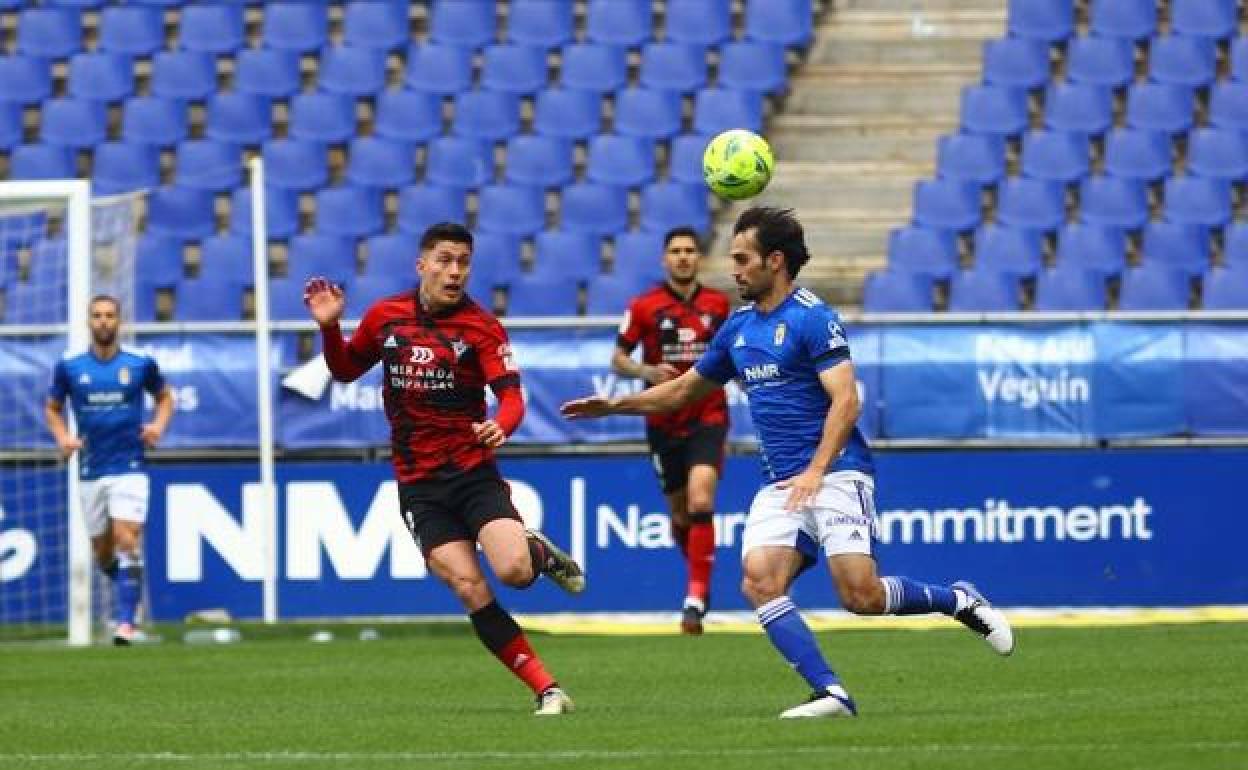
<point>494,626</point>
<point>539,557</point>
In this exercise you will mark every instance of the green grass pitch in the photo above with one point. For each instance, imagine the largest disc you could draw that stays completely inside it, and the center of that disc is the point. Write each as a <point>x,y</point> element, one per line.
<point>1165,696</point>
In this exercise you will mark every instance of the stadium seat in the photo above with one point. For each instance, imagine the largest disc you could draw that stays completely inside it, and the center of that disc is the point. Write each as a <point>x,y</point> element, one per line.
<point>454,22</point>
<point>977,158</point>
<point>594,208</point>
<point>1017,63</point>
<point>153,120</point>
<point>1012,250</point>
<point>80,4</point>
<point>207,164</point>
<point>923,251</point>
<point>132,30</point>
<point>610,294</point>
<point>1239,59</point>
<point>1083,108</point>
<point>322,117</point>
<point>890,291</point>
<point>48,263</point>
<point>573,254</point>
<point>358,72</point>
<point>41,161</point>
<point>983,291</point>
<point>1235,244</point>
<point>326,255</point>
<point>1070,289</point>
<point>1087,246</point>
<point>1108,200</point>
<point>226,255</point>
<point>74,123</point>
<point>105,77</point>
<point>627,23</point>
<point>993,110</point>
<point>1182,60</point>
<point>787,22</point>
<point>594,67</point>
<point>440,69</point>
<point>349,211</point>
<point>27,304</point>
<point>374,161</point>
<point>719,109</point>
<point>1197,201</point>
<point>392,254</point>
<point>25,79</point>
<point>1134,153</point>
<point>665,205</point>
<point>946,204</point>
<point>422,205</point>
<point>639,253</point>
<point>1228,105</point>
<point>286,299</point>
<point>540,23</point>
<point>1154,288</point>
<point>567,113</point>
<point>408,116</point>
<point>673,67</point>
<point>542,295</point>
<point>239,118</point>
<point>281,212</point>
<point>753,66</point>
<point>1215,19</point>
<point>511,209</point>
<point>1055,156</point>
<point>54,33</point>
<point>698,22</point>
<point>382,25</point>
<point>1183,247</point>
<point>267,72</point>
<point>10,125</point>
<point>368,289</point>
<point>186,75</point>
<point>180,212</point>
<point>496,254</point>
<point>212,28</point>
<point>1050,21</point>
<point>1126,19</point>
<point>515,69</point>
<point>454,161</point>
<point>1160,107</point>
<point>539,161</point>
<point>295,164</point>
<point>292,26</point>
<point>1100,61</point>
<point>1217,153</point>
<point>158,259</point>
<point>486,115</point>
<point>620,160</point>
<point>1032,203</point>
<point>648,113</point>
<point>1226,288</point>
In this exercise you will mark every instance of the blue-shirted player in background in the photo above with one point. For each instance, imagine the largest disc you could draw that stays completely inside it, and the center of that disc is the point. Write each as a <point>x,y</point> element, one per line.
<point>105,387</point>
<point>789,352</point>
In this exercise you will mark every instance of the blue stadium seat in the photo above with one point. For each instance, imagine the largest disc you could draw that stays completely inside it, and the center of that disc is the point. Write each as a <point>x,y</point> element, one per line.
<point>665,205</point>
<point>1050,21</point>
<point>392,254</point>
<point>1239,59</point>
<point>540,161</point>
<point>207,164</point>
<point>567,113</point>
<point>649,113</point>
<point>1134,153</point>
<point>41,161</point>
<point>486,115</point>
<point>983,291</point>
<point>1016,62</point>
<point>374,161</point>
<point>454,22</point>
<point>1226,288</point>
<point>267,72</point>
<point>105,77</point>
<point>1181,246</point>
<point>620,22</point>
<point>422,205</point>
<point>946,204</point>
<point>180,212</point>
<point>1084,108</point>
<point>621,160</point>
<point>226,255</point>
<point>540,23</point>
<point>698,22</point>
<point>440,69</point>
<point>281,212</point>
<point>1182,60</point>
<point>74,123</point>
<point>357,72</point>
<point>1109,200</point>
<point>382,25</point>
<point>10,124</point>
<point>516,69</point>
<point>1065,289</point>
<point>638,253</point>
<point>1235,244</point>
<point>1228,105</point>
<point>27,304</point>
<point>993,110</point>
<point>496,254</point>
<point>1216,19</point>
<point>286,299</point>
<point>159,3</point>
<point>753,66</point>
<point>1102,61</point>
<point>1197,201</point>
<point>132,30</point>
<point>573,254</point>
<point>594,208</point>
<point>889,291</point>
<point>685,158</point>
<point>673,67</point>
<point>1012,250</point>
<point>1127,19</point>
<point>325,255</point>
<point>978,158</point>
<point>408,116</point>
<point>25,79</point>
<point>719,109</point>
<point>153,120</point>
<point>1056,156</point>
<point>788,22</point>
<point>158,259</point>
<point>187,75</point>
<point>83,4</point>
<point>1087,246</point>
<point>322,117</point>
<point>349,211</point>
<point>51,33</point>
<point>594,67</point>
<point>212,28</point>
<point>295,164</point>
<point>512,209</point>
<point>542,295</point>
<point>454,161</point>
<point>1160,107</point>
<point>1032,203</point>
<point>1154,288</point>
<point>610,294</point>
<point>922,250</point>
<point>240,118</point>
<point>368,289</point>
<point>1218,153</point>
<point>299,27</point>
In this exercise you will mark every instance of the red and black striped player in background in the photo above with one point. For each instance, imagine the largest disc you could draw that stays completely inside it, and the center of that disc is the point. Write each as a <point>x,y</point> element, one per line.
<point>673,323</point>
<point>440,350</point>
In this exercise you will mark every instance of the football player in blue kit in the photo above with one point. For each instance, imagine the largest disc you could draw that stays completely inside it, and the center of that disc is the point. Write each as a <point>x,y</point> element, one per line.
<point>105,386</point>
<point>789,352</point>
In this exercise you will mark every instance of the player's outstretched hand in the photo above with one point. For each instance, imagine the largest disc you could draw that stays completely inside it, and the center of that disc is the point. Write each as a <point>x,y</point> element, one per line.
<point>150,435</point>
<point>324,300</point>
<point>489,434</point>
<point>582,408</point>
<point>802,489</point>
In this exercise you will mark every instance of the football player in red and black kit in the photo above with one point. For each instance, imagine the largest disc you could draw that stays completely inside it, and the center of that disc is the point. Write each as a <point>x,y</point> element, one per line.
<point>440,350</point>
<point>673,323</point>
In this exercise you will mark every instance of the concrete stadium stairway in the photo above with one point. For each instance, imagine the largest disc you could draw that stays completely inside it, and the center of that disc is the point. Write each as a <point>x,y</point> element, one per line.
<point>859,126</point>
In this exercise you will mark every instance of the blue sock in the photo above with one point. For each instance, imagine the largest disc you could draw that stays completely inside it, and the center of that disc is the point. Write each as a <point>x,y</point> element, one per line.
<point>128,585</point>
<point>792,637</point>
<point>903,596</point>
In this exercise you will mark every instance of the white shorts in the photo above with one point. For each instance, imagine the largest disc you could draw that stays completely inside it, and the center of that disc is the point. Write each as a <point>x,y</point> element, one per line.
<point>841,519</point>
<point>121,497</point>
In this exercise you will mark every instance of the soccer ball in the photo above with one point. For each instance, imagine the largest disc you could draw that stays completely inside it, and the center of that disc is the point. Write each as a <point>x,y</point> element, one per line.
<point>737,164</point>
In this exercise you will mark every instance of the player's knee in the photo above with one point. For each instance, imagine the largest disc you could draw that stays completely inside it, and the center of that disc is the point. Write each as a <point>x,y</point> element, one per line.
<point>467,588</point>
<point>517,573</point>
<point>760,589</point>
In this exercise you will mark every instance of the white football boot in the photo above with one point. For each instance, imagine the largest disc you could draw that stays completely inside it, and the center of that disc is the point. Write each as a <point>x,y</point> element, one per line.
<point>832,702</point>
<point>985,620</point>
<point>552,701</point>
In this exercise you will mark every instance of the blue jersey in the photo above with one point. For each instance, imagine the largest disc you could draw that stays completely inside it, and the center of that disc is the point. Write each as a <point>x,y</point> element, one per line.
<point>107,399</point>
<point>777,357</point>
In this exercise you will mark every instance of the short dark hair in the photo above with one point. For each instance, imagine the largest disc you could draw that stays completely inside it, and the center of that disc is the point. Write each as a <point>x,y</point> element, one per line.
<point>776,229</point>
<point>682,231</point>
<point>445,231</point>
<point>106,298</point>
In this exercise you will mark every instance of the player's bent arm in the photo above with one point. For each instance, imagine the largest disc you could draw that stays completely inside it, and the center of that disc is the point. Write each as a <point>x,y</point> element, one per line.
<point>54,416</point>
<point>164,409</point>
<point>341,364</point>
<point>623,363</point>
<point>841,386</point>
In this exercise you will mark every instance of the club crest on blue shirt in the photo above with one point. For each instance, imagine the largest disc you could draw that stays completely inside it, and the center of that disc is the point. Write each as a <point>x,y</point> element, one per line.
<point>123,375</point>
<point>778,340</point>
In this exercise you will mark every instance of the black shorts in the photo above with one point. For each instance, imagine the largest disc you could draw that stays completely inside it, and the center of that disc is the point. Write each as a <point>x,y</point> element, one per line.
<point>444,510</point>
<point>673,456</point>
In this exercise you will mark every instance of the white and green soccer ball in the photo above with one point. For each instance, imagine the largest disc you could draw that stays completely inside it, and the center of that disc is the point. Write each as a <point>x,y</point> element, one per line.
<point>737,164</point>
